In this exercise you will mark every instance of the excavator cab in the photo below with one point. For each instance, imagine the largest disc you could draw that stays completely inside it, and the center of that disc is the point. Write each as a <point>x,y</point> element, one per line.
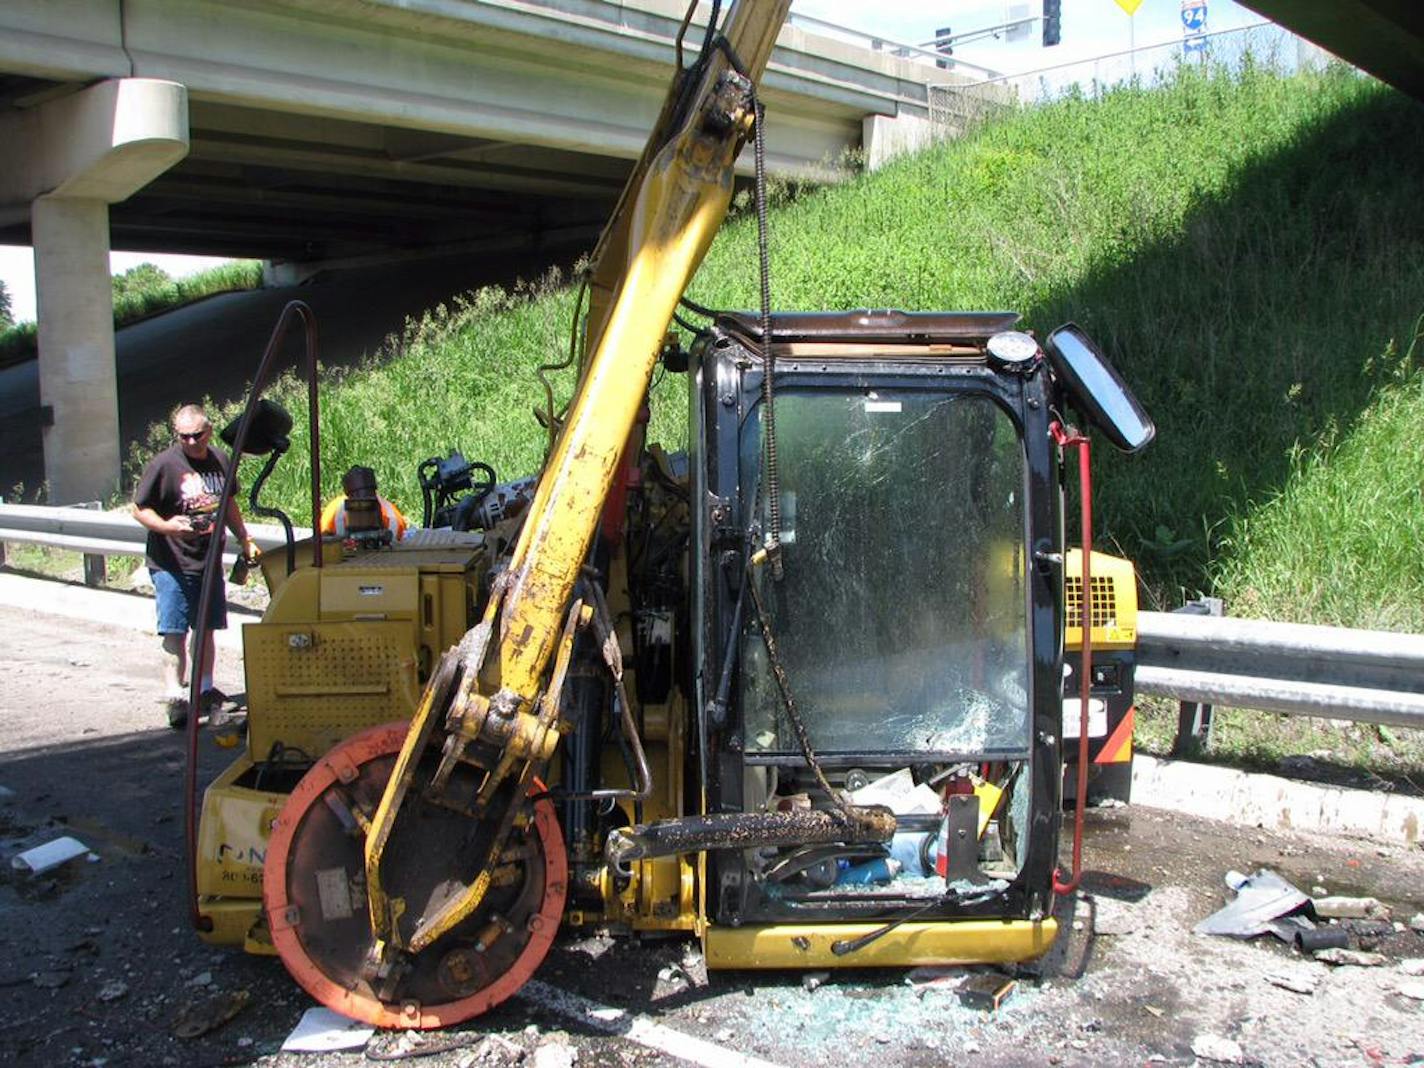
<point>916,626</point>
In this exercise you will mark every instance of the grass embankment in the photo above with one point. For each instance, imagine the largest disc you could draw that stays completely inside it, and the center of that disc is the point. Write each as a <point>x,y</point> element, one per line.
<point>151,291</point>
<point>1248,248</point>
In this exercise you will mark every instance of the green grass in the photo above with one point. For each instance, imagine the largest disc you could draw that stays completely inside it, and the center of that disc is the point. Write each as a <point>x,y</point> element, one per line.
<point>1247,247</point>
<point>149,291</point>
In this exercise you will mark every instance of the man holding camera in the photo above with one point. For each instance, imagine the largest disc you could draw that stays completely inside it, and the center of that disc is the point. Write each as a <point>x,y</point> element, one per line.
<point>177,500</point>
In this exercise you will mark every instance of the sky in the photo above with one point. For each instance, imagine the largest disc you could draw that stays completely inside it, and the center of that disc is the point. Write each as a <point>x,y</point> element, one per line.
<point>1089,28</point>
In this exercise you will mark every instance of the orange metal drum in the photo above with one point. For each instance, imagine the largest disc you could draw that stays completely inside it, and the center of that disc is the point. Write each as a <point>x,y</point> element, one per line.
<point>314,894</point>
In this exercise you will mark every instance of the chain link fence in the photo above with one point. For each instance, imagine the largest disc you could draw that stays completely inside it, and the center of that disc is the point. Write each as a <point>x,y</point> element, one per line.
<point>956,109</point>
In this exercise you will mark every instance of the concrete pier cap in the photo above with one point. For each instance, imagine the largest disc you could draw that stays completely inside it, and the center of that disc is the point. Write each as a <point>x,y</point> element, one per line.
<point>74,156</point>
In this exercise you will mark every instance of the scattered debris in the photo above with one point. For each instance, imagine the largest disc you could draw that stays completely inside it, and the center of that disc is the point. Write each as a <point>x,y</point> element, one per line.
<point>811,980</point>
<point>986,990</point>
<point>200,1017</point>
<point>113,990</point>
<point>555,1054</point>
<point>408,1045</point>
<point>1340,907</point>
<point>1219,1049</point>
<point>1355,957</point>
<point>1264,902</point>
<point>1154,1011</point>
<point>935,977</point>
<point>1298,982</point>
<point>1329,937</point>
<point>320,1030</point>
<point>42,858</point>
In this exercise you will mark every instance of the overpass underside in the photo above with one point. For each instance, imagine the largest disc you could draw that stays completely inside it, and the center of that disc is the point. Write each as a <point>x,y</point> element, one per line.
<point>300,188</point>
<point>1384,37</point>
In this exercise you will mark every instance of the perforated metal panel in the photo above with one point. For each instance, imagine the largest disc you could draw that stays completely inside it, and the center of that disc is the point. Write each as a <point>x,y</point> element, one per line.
<point>1113,605</point>
<point>310,685</point>
<point>1104,601</point>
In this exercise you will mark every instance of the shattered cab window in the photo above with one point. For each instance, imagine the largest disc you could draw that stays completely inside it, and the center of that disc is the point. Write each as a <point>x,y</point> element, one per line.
<point>901,619</point>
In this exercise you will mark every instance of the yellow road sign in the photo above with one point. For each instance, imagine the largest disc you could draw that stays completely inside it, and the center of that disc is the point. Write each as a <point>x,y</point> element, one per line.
<point>1130,6</point>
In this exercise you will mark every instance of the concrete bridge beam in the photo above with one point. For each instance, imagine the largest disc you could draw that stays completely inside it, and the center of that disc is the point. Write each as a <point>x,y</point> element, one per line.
<point>75,156</point>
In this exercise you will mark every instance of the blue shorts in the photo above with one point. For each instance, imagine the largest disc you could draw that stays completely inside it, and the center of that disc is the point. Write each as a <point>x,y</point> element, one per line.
<point>177,594</point>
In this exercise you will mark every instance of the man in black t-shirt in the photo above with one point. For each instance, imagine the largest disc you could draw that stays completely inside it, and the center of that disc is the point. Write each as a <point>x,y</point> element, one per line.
<point>177,500</point>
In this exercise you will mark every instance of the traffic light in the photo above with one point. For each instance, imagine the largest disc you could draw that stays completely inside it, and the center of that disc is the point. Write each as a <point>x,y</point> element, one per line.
<point>1052,26</point>
<point>943,46</point>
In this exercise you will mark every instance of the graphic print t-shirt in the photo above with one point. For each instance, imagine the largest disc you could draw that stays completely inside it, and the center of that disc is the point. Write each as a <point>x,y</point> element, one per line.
<point>173,485</point>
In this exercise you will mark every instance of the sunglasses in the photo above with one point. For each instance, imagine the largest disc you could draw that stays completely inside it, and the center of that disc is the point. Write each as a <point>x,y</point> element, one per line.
<point>199,436</point>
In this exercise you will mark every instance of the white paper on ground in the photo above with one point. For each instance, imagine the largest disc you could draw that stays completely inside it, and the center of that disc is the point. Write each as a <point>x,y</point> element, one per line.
<point>50,855</point>
<point>320,1030</point>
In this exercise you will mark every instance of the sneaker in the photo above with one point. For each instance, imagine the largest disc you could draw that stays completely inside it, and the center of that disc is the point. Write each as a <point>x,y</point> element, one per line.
<point>212,700</point>
<point>177,713</point>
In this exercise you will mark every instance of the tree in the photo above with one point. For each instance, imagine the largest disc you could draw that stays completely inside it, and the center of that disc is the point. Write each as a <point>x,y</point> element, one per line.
<point>136,281</point>
<point>7,313</point>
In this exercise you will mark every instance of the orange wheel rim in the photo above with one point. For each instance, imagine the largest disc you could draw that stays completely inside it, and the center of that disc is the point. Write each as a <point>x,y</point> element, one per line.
<point>337,766</point>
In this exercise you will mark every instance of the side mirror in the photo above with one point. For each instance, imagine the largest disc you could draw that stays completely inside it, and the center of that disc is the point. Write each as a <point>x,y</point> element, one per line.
<point>1096,389</point>
<point>271,423</point>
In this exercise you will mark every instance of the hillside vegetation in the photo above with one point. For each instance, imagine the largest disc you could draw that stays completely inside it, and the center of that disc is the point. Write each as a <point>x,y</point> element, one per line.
<point>1248,248</point>
<point>138,293</point>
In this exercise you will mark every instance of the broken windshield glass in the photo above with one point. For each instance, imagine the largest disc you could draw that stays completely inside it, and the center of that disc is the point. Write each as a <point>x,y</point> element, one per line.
<point>901,620</point>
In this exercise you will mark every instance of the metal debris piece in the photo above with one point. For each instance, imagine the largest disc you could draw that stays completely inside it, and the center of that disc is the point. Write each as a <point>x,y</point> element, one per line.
<point>199,1017</point>
<point>42,858</point>
<point>1327,937</point>
<point>113,990</point>
<point>320,1031</point>
<point>1263,902</point>
<point>986,990</point>
<point>1354,957</point>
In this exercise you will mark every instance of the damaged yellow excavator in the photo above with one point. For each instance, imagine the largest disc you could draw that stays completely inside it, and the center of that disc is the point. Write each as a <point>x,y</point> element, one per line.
<point>799,692</point>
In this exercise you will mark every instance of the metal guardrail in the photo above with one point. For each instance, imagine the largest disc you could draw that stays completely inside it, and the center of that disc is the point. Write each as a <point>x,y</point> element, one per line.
<point>99,534</point>
<point>1198,658</point>
<point>1203,660</point>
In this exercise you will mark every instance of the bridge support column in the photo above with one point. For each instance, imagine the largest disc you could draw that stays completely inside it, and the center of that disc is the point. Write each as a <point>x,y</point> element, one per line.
<point>78,382</point>
<point>72,158</point>
<point>885,137</point>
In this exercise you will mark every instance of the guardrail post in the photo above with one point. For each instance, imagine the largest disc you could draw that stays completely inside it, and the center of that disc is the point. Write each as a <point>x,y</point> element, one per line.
<point>1194,718</point>
<point>95,570</point>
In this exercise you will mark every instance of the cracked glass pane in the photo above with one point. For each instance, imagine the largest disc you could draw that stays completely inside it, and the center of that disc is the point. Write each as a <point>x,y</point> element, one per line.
<point>901,620</point>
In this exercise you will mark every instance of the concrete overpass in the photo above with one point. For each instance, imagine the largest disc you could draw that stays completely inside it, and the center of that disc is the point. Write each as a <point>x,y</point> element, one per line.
<point>317,133</point>
<point>1384,37</point>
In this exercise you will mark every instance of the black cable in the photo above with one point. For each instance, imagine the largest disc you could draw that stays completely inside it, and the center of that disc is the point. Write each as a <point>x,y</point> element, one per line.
<point>692,305</point>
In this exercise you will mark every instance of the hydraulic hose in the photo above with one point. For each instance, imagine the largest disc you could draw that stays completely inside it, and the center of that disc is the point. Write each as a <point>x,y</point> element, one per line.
<point>1063,437</point>
<point>212,566</point>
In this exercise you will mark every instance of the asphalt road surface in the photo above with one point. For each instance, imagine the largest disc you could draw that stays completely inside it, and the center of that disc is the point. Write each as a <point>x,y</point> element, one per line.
<point>99,965</point>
